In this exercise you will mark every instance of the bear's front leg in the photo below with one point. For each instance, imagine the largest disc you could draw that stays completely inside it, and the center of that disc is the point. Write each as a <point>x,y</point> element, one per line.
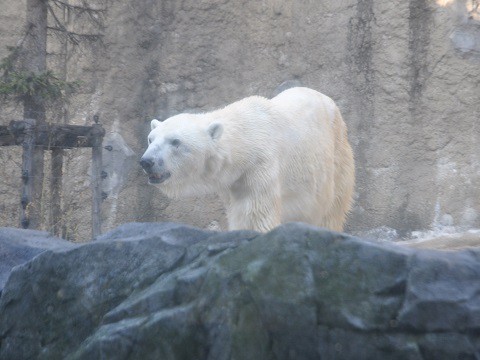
<point>254,204</point>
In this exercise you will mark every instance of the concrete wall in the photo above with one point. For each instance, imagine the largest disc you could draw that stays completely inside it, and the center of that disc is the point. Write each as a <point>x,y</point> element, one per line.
<point>405,75</point>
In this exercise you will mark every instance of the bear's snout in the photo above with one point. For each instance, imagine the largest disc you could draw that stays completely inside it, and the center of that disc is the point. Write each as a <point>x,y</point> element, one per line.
<point>146,163</point>
<point>157,175</point>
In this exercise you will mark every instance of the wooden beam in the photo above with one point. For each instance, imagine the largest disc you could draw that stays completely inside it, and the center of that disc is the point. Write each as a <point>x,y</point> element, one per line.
<point>50,136</point>
<point>98,132</point>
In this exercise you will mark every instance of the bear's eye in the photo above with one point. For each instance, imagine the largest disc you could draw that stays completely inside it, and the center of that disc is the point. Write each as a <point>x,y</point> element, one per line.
<point>149,141</point>
<point>175,142</point>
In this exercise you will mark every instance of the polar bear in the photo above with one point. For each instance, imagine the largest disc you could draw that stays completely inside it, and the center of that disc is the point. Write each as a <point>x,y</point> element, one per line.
<point>271,161</point>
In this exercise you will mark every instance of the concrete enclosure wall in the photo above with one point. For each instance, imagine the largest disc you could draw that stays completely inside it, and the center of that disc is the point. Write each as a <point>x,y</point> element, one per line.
<point>404,74</point>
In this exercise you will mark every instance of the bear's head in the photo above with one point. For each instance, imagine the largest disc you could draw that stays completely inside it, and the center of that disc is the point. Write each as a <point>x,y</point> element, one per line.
<point>182,157</point>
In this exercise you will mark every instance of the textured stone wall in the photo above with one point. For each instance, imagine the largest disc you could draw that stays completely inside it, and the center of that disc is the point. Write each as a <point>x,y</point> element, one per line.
<point>405,75</point>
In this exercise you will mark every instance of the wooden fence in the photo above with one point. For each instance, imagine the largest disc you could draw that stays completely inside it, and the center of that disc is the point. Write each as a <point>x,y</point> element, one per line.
<point>55,138</point>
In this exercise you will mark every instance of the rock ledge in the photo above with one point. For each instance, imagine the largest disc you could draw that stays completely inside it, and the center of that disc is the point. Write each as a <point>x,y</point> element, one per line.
<point>168,291</point>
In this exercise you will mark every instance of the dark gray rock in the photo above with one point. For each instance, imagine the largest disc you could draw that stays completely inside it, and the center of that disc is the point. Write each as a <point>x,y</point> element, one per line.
<point>19,246</point>
<point>167,291</point>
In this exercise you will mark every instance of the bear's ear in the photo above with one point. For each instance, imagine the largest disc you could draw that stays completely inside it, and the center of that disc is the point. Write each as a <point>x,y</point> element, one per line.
<point>215,130</point>
<point>154,123</point>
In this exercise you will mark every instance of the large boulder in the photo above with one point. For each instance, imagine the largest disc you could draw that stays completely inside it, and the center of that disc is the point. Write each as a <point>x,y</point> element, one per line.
<point>19,246</point>
<point>167,291</point>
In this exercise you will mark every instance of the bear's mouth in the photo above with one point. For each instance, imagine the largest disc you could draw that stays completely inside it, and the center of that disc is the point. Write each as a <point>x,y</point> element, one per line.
<point>158,178</point>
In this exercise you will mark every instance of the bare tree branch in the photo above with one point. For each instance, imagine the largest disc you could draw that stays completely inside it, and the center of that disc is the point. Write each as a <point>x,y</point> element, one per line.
<point>85,7</point>
<point>72,36</point>
<point>76,37</point>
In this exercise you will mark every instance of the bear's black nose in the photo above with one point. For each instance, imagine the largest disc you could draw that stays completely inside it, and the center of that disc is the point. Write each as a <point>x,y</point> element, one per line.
<point>146,163</point>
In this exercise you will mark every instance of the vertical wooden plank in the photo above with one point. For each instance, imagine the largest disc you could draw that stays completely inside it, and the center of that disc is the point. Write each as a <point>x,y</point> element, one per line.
<point>28,219</point>
<point>56,183</point>
<point>98,133</point>
<point>34,59</point>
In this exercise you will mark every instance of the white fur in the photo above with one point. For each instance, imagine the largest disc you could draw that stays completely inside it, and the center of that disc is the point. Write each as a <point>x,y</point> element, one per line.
<point>271,161</point>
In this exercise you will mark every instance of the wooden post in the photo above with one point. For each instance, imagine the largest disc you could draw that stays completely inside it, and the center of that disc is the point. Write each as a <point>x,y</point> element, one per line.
<point>56,183</point>
<point>98,133</point>
<point>34,59</point>
<point>28,212</point>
